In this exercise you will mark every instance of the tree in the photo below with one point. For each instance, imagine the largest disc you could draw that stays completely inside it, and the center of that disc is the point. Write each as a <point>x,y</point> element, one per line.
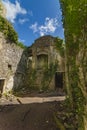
<point>74,15</point>
<point>2,9</point>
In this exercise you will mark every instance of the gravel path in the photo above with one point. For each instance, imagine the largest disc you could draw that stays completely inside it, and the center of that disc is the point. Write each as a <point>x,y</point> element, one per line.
<point>37,116</point>
<point>28,113</point>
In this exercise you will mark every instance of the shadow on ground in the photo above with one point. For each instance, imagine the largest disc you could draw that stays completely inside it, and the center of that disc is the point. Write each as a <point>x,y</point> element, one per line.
<point>28,117</point>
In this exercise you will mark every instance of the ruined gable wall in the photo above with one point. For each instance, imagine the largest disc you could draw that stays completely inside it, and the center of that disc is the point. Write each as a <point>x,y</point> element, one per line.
<point>46,46</point>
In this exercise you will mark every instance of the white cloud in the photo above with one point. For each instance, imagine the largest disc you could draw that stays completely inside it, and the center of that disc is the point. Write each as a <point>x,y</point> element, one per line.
<point>21,21</point>
<point>21,40</point>
<point>13,10</point>
<point>34,27</point>
<point>50,26</point>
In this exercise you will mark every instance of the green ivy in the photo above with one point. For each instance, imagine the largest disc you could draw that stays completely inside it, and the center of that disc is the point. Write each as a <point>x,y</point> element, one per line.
<point>10,34</point>
<point>21,45</point>
<point>48,74</point>
<point>74,16</point>
<point>7,29</point>
<point>59,46</point>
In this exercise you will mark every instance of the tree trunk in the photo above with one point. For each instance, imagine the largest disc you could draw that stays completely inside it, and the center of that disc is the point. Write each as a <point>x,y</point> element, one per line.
<point>85,117</point>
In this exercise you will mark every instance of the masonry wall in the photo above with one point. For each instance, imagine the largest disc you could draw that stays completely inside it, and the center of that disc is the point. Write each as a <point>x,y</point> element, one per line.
<point>45,47</point>
<point>10,57</point>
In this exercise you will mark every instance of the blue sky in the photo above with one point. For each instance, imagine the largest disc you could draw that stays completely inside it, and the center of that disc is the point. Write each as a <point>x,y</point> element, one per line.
<point>34,18</point>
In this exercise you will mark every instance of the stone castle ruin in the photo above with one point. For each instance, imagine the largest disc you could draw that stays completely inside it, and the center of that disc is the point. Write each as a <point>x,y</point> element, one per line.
<point>48,63</point>
<point>16,65</point>
<point>40,66</point>
<point>10,56</point>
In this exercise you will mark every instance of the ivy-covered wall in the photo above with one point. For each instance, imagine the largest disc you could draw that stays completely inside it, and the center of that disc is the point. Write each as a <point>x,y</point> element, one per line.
<point>74,16</point>
<point>46,58</point>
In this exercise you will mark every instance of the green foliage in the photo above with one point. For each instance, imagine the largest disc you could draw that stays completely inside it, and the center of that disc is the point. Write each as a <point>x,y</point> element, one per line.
<point>77,94</point>
<point>74,16</point>
<point>48,74</point>
<point>59,46</point>
<point>1,7</point>
<point>21,45</point>
<point>59,124</point>
<point>31,79</point>
<point>7,29</point>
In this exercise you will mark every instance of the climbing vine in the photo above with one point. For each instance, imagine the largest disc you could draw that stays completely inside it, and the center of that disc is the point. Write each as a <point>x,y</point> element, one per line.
<point>48,74</point>
<point>59,46</point>
<point>74,16</point>
<point>7,29</point>
<point>10,34</point>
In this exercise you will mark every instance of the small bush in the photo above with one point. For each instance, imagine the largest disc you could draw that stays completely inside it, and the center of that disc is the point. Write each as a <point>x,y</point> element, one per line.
<point>7,29</point>
<point>10,34</point>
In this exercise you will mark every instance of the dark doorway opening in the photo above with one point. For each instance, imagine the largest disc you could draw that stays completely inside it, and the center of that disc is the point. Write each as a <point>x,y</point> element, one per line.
<point>59,80</point>
<point>9,67</point>
<point>1,86</point>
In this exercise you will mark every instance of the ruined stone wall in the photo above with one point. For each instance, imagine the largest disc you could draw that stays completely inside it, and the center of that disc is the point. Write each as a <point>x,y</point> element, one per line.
<point>45,47</point>
<point>10,57</point>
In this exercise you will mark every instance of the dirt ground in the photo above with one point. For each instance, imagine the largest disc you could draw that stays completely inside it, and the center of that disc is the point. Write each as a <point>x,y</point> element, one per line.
<point>37,116</point>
